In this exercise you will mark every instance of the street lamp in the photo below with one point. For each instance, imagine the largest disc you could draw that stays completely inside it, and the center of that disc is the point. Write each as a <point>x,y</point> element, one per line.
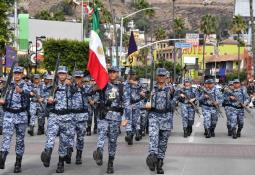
<point>127,16</point>
<point>30,45</point>
<point>37,38</point>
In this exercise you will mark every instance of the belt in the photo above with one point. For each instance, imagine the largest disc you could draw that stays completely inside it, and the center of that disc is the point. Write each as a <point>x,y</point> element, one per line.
<point>161,111</point>
<point>114,109</point>
<point>15,110</point>
<point>77,111</point>
<point>134,101</point>
<point>61,112</point>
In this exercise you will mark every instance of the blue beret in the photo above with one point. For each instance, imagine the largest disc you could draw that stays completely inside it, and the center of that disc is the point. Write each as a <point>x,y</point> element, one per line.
<point>18,69</point>
<point>161,71</point>
<point>62,69</point>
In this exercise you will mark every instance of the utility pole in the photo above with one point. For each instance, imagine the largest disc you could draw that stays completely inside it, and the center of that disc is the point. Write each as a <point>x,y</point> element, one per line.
<point>174,52</point>
<point>115,33</point>
<point>252,36</point>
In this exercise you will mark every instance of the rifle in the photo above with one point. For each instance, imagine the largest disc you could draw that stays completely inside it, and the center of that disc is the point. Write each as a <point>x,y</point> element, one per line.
<point>229,92</point>
<point>40,103</point>
<point>217,107</point>
<point>192,103</point>
<point>8,82</point>
<point>55,80</point>
<point>152,75</point>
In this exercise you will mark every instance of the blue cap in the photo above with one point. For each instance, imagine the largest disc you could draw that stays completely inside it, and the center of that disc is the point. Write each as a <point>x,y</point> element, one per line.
<point>236,81</point>
<point>49,77</point>
<point>18,69</point>
<point>62,69</point>
<point>36,76</point>
<point>131,72</point>
<point>161,71</point>
<point>230,83</point>
<point>78,73</point>
<point>113,68</point>
<point>209,81</point>
<point>187,80</point>
<point>87,78</point>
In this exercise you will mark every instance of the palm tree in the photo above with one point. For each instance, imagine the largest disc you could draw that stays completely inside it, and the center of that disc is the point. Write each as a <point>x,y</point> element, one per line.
<point>160,33</point>
<point>238,27</point>
<point>208,26</point>
<point>179,26</point>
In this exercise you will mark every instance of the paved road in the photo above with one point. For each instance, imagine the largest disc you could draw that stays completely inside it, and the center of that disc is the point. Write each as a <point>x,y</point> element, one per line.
<point>194,155</point>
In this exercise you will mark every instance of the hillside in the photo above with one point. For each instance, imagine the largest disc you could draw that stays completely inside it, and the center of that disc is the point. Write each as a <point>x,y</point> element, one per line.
<point>190,10</point>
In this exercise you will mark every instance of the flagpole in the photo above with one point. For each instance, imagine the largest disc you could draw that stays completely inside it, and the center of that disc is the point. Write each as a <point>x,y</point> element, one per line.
<point>82,21</point>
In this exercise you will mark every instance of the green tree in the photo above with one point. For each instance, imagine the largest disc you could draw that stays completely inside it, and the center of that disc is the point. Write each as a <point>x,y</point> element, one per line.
<point>179,26</point>
<point>142,4</point>
<point>160,33</point>
<point>5,32</point>
<point>208,26</point>
<point>238,26</point>
<point>71,51</point>
<point>43,15</point>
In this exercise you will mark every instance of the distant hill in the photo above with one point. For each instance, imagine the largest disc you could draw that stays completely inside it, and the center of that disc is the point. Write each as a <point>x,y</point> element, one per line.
<point>190,10</point>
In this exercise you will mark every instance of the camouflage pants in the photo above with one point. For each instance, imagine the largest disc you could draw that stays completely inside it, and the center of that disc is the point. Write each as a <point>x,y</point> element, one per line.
<point>79,127</point>
<point>108,128</point>
<point>228,114</point>
<point>158,136</point>
<point>134,120</point>
<point>1,116</point>
<point>210,117</point>
<point>188,115</point>
<point>9,127</point>
<point>64,127</point>
<point>36,112</point>
<point>144,119</point>
<point>236,118</point>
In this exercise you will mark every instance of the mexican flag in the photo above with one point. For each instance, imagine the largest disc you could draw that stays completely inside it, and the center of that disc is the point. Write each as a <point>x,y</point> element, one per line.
<point>97,63</point>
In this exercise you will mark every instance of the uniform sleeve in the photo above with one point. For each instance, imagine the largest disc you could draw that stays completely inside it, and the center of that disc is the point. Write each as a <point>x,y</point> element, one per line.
<point>219,96</point>
<point>246,97</point>
<point>26,89</point>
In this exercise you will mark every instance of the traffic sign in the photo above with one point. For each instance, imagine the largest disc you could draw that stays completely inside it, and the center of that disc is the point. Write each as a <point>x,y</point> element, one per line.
<point>183,45</point>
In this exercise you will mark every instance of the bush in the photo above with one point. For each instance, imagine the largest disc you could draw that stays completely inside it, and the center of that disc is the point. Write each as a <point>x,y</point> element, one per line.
<point>71,52</point>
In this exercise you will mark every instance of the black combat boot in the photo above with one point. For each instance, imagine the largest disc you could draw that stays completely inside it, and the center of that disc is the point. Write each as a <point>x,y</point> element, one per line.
<point>238,134</point>
<point>60,168</point>
<point>152,161</point>
<point>159,166</point>
<point>234,135</point>
<point>31,130</point>
<point>129,138</point>
<point>3,155</point>
<point>78,157</point>
<point>40,130</point>
<point>1,130</point>
<point>185,133</point>
<point>95,130</point>
<point>110,169</point>
<point>68,157</point>
<point>229,132</point>
<point>208,133</point>
<point>98,157</point>
<point>189,130</point>
<point>205,133</point>
<point>212,132</point>
<point>88,130</point>
<point>138,135</point>
<point>17,166</point>
<point>46,156</point>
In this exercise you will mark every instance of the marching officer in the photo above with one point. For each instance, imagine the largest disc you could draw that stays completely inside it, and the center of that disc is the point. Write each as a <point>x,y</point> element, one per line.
<point>59,120</point>
<point>15,118</point>
<point>80,103</point>
<point>238,98</point>
<point>111,110</point>
<point>160,121</point>
<point>35,110</point>
<point>187,97</point>
<point>210,100</point>
<point>134,102</point>
<point>227,106</point>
